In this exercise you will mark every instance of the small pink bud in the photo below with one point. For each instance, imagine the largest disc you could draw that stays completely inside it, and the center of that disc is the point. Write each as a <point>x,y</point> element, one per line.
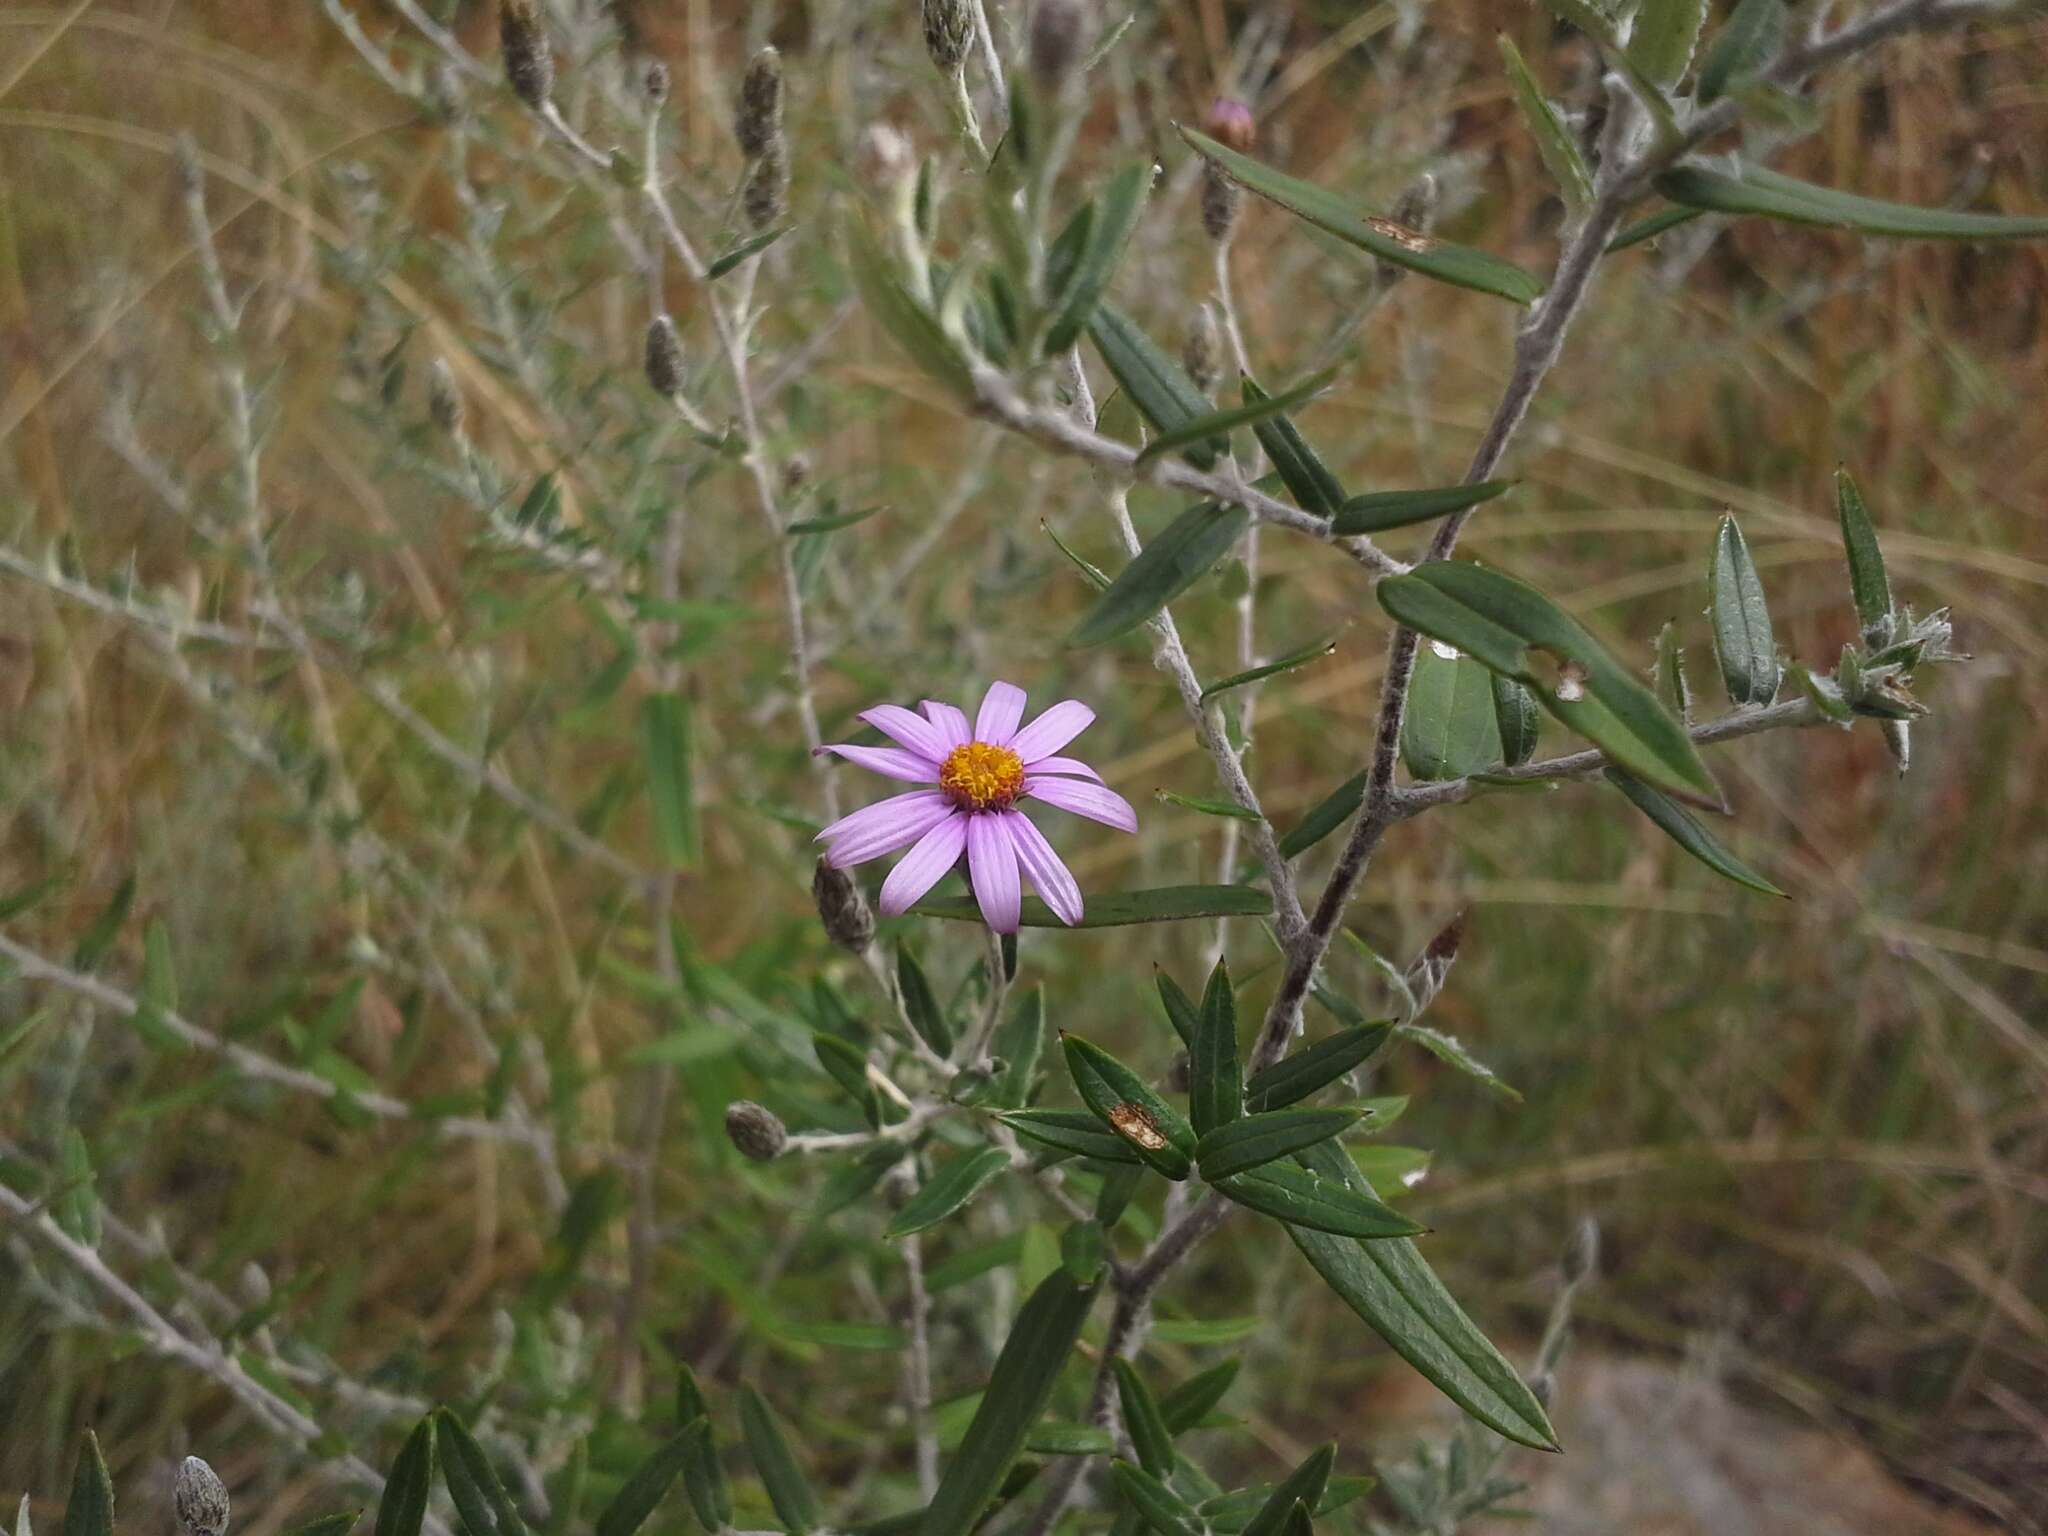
<point>1230,124</point>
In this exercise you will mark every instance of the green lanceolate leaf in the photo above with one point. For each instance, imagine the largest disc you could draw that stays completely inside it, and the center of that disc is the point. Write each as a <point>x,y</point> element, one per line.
<point>665,737</point>
<point>919,1003</point>
<point>1215,1083</point>
<point>1020,1386</point>
<point>753,245</point>
<point>1020,1042</point>
<point>1336,808</point>
<point>1303,1486</point>
<point>643,1491</point>
<point>1767,194</point>
<point>473,1484</point>
<point>1119,909</point>
<point>1293,1078</point>
<point>831,523</point>
<point>1070,1130</point>
<point>1143,1421</point>
<point>1257,1140</point>
<point>1743,642</point>
<point>1678,824</point>
<point>91,1509</point>
<point>1180,1008</point>
<point>1666,32</point>
<point>1743,46</point>
<point>1150,1126</point>
<point>1221,423</point>
<point>1516,717</point>
<point>704,1479</point>
<point>1450,728</point>
<point>1157,1505</point>
<point>76,1206</point>
<point>947,1190</point>
<point>1868,584</point>
<point>910,324</point>
<point>1224,808</point>
<point>1392,1288</point>
<point>1301,658</point>
<point>1380,510</point>
<point>1451,1051</point>
<point>1157,385</point>
<point>1554,141</point>
<point>847,1065</point>
<point>1288,1193</point>
<point>1307,478</point>
<point>1660,222</point>
<point>340,1523</point>
<point>789,1491</point>
<point>1196,1398</point>
<point>1385,239</point>
<point>1231,1513</point>
<point>1116,214</point>
<point>1054,1437</point>
<point>1517,631</point>
<point>403,1507</point>
<point>1175,560</point>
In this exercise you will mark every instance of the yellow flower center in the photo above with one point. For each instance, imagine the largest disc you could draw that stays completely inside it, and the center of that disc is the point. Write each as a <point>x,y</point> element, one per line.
<point>980,777</point>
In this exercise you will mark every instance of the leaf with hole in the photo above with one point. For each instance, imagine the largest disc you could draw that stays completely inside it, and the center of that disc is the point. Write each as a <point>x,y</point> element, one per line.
<point>1151,1127</point>
<point>1074,1131</point>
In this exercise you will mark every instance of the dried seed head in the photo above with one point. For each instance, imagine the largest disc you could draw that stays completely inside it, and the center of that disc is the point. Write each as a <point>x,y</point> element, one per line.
<point>1230,123</point>
<point>200,1499</point>
<point>1058,34</point>
<point>444,400</point>
<point>948,29</point>
<point>765,198</point>
<point>842,909</point>
<point>664,358</point>
<point>1202,351</point>
<point>529,57</point>
<point>1582,1252</point>
<point>755,1130</point>
<point>654,83</point>
<point>757,123</point>
<point>1221,199</point>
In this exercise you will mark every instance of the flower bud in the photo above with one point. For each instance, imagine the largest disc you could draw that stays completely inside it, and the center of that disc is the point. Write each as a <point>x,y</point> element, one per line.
<point>755,1130</point>
<point>444,400</point>
<point>529,58</point>
<point>842,908</point>
<point>654,83</point>
<point>1221,199</point>
<point>1425,977</point>
<point>765,198</point>
<point>664,358</point>
<point>1201,353</point>
<point>1898,740</point>
<point>948,30</point>
<point>1057,28</point>
<point>200,1499</point>
<point>1582,1254</point>
<point>757,124</point>
<point>1230,124</point>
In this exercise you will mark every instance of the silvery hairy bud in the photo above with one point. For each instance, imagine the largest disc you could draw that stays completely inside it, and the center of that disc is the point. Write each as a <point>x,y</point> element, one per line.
<point>765,196</point>
<point>1202,351</point>
<point>529,58</point>
<point>757,123</point>
<point>1582,1253</point>
<point>842,908</point>
<point>1057,37</point>
<point>1229,122</point>
<point>948,30</point>
<point>200,1499</point>
<point>654,83</point>
<point>755,1130</point>
<point>1425,978</point>
<point>444,400</point>
<point>664,358</point>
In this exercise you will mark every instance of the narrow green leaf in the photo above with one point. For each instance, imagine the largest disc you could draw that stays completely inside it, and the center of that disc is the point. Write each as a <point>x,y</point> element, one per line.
<point>1116,214</point>
<point>1152,1128</point>
<point>77,1206</point>
<point>1287,1193</point>
<point>1231,1513</point>
<point>789,1491</point>
<point>1666,32</point>
<point>1332,812</point>
<point>1143,1421</point>
<point>1224,808</point>
<point>1450,728</point>
<point>847,1065</point>
<point>1743,642</point>
<point>1020,1042</point>
<point>671,785</point>
<point>1223,422</point>
<point>1070,1130</point>
<point>1392,1288</point>
<point>1119,1186</point>
<point>1194,1399</point>
<point>913,327</point>
<point>704,1479</point>
<point>1180,1008</point>
<point>1385,239</point>
<point>1206,1330</point>
<point>811,527</point>
<point>1215,1082</point>
<point>1175,560</point>
<point>1315,651</point>
<point>1554,141</point>
<point>93,945</point>
<point>1515,630</point>
<point>1303,1486</point>
<point>1868,584</point>
<point>1257,1140</point>
<point>753,245</point>
<point>1451,1051</point>
<point>1295,1077</point>
<point>340,1523</point>
<point>1746,43</point>
<point>1157,385</point>
<point>1308,479</point>
<point>1380,510</point>
<point>16,903</point>
<point>1516,718</point>
<point>537,506</point>
<point>1650,228</point>
<point>1097,576</point>
<point>1673,688</point>
<point>1767,194</point>
<point>1118,909</point>
<point>642,1492</point>
<point>473,1483</point>
<point>402,1509</point>
<point>91,1509</point>
<point>1018,1389</point>
<point>1158,1505</point>
<point>1678,824</point>
<point>690,1403</point>
<point>947,1190</point>
<point>1056,1437</point>
<point>926,1016</point>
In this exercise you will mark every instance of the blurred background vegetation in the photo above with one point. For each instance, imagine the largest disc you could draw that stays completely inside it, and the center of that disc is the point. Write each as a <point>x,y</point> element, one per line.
<point>1814,1132</point>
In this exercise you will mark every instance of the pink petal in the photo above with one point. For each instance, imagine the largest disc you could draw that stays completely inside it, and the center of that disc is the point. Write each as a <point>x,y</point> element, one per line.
<point>1001,708</point>
<point>992,869</point>
<point>949,722</point>
<point>1049,877</point>
<point>1052,730</point>
<point>925,865</point>
<point>1094,801</point>
<point>1071,766</point>
<point>883,827</point>
<point>912,767</point>
<point>907,729</point>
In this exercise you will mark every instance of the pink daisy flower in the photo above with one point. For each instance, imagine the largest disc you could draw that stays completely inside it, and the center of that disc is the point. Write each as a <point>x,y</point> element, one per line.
<point>977,776</point>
